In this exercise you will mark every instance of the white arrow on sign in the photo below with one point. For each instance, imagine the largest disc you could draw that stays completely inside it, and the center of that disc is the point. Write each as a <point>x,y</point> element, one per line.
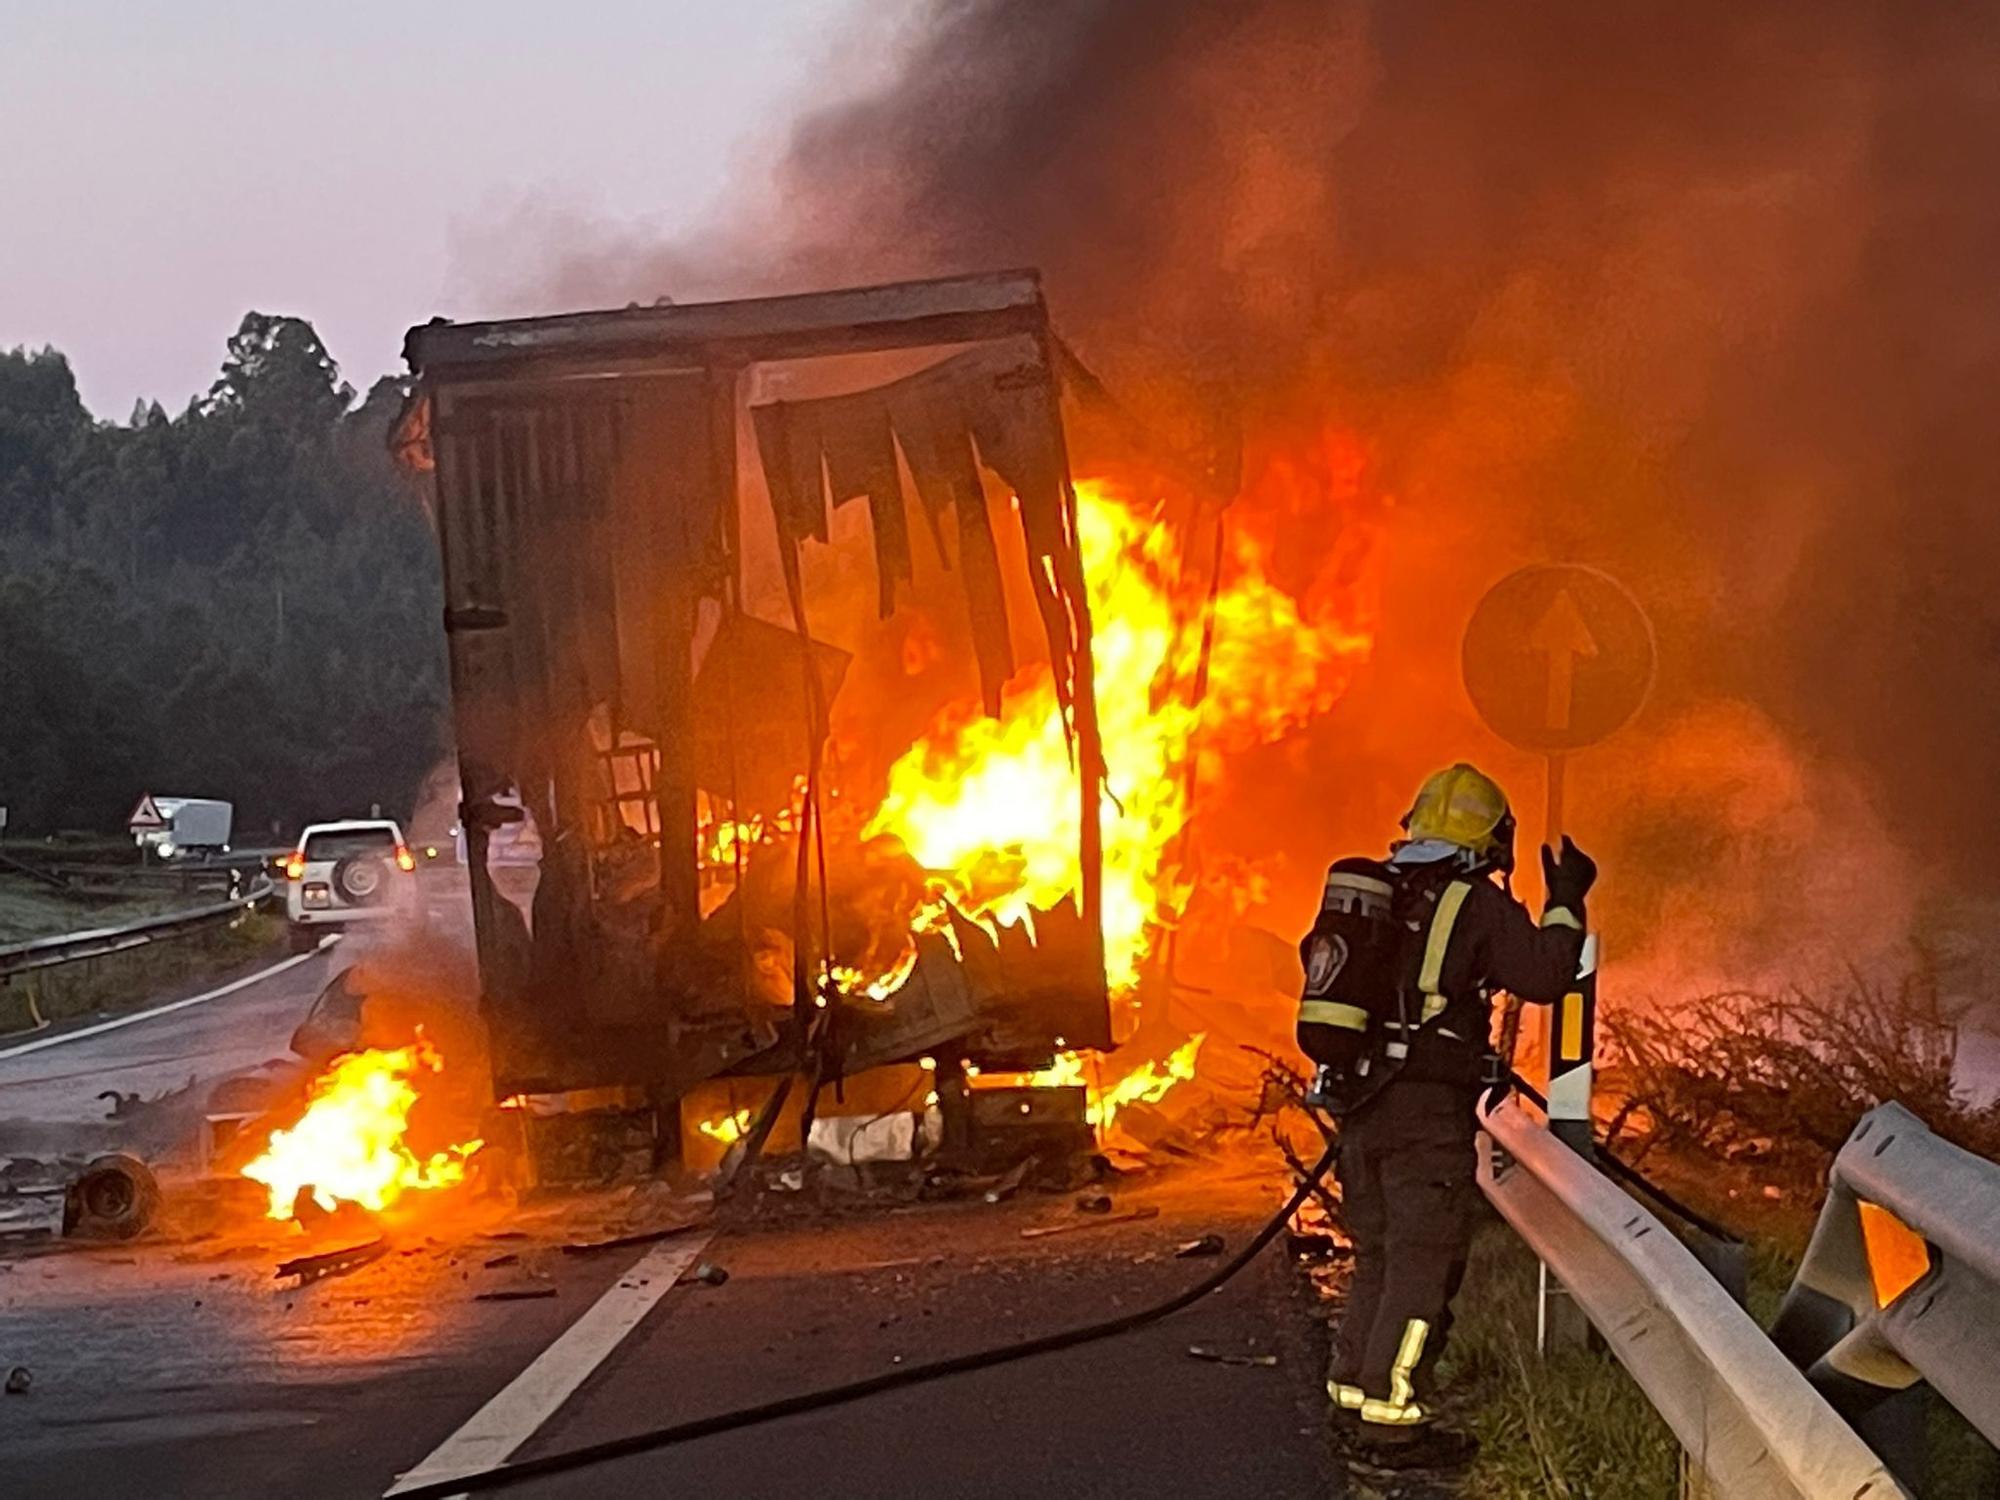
<point>1562,637</point>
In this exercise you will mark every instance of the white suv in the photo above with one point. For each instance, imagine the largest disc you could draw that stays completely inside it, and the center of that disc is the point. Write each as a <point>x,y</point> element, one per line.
<point>357,871</point>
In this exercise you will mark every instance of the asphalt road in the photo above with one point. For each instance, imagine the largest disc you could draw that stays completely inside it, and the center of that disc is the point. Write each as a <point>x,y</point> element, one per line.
<point>186,1371</point>
<point>1134,1416</point>
<point>59,1081</point>
<point>180,1366</point>
<point>50,1081</point>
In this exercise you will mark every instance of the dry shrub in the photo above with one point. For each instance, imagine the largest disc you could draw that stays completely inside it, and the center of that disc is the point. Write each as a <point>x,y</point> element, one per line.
<point>1780,1080</point>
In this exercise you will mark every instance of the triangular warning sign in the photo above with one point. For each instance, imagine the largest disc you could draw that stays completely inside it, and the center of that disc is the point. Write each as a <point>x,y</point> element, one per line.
<point>146,815</point>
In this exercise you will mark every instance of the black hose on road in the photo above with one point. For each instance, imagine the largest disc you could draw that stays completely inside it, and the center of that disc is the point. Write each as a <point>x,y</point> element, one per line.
<point>791,1406</point>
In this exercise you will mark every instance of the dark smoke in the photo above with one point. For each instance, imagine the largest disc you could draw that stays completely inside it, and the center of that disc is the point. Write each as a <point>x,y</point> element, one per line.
<point>1701,292</point>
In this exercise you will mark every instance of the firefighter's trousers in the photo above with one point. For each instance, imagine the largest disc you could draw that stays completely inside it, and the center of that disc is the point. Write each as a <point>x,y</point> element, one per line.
<point>1408,1198</point>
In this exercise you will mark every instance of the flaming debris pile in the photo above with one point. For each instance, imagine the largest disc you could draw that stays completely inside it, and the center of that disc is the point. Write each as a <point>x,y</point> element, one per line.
<point>1146,1084</point>
<point>351,1144</point>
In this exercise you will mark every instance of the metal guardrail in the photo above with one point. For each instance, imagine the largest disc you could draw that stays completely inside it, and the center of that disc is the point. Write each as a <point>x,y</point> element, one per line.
<point>101,877</point>
<point>1901,1281</point>
<point>96,942</point>
<point>1746,1416</point>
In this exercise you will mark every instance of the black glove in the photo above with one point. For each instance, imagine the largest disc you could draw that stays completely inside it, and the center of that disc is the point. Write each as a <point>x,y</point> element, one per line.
<point>1568,876</point>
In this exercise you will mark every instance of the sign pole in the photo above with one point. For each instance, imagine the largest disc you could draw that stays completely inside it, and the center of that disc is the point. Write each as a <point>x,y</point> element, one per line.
<point>1570,1025</point>
<point>1552,823</point>
<point>1558,657</point>
<point>1568,1037</point>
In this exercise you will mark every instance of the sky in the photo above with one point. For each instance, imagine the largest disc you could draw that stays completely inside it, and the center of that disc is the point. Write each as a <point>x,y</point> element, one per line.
<point>168,167</point>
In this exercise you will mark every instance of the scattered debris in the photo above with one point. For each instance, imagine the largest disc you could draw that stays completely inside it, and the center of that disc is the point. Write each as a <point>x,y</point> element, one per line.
<point>1007,1123</point>
<point>850,1140</point>
<point>114,1198</point>
<point>18,1380</point>
<point>1217,1356</point>
<point>656,1202</point>
<point>902,1263</point>
<point>311,1268</point>
<point>1152,1129</point>
<point>708,1273</point>
<point>743,1153</point>
<point>623,1241</point>
<point>1042,1231</point>
<point>515,1294</point>
<point>1208,1244</point>
<point>1010,1180</point>
<point>1095,1202</point>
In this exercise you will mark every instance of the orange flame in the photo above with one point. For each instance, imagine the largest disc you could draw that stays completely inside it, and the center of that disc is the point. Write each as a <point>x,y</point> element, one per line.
<point>729,1128</point>
<point>1149,1083</point>
<point>990,805</point>
<point>349,1146</point>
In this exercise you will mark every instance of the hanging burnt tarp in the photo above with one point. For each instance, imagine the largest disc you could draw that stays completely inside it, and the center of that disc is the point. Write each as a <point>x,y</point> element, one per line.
<point>993,405</point>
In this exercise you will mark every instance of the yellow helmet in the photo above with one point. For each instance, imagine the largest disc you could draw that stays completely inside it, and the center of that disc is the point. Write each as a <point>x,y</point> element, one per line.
<point>1463,806</point>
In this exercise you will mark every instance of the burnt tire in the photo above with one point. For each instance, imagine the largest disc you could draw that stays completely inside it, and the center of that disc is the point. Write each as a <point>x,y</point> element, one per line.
<point>114,1198</point>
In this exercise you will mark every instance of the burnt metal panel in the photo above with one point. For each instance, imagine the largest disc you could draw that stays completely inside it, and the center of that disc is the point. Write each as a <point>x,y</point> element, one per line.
<point>572,521</point>
<point>954,309</point>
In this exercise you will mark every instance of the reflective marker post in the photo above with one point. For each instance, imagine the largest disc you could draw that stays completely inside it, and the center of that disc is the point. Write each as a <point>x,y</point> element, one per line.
<point>1572,1040</point>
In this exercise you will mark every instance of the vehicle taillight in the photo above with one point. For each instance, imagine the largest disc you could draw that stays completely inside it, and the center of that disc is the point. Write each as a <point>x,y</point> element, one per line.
<point>295,866</point>
<point>404,859</point>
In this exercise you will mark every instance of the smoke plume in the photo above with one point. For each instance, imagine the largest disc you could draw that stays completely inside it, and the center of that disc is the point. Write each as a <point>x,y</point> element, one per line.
<point>1701,293</point>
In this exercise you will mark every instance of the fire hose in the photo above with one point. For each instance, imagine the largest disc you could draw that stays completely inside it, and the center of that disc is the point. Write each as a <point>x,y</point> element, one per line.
<point>1630,1175</point>
<point>790,1406</point>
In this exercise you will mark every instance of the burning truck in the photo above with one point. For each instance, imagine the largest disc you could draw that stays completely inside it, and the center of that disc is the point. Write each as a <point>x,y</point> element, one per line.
<point>822,787</point>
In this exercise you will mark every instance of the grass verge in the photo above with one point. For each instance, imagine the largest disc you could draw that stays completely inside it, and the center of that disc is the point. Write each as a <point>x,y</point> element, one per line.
<point>137,977</point>
<point>1574,1425</point>
<point>1577,1425</point>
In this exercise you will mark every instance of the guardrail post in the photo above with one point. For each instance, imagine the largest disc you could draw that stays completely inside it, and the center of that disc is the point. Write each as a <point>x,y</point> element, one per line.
<point>1571,1044</point>
<point>1901,1286</point>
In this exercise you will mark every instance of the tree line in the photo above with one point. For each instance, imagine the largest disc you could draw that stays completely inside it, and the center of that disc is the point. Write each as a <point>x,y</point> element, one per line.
<point>241,601</point>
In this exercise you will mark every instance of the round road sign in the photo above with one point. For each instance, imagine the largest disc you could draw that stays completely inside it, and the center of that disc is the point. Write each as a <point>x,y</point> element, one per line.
<point>1557,656</point>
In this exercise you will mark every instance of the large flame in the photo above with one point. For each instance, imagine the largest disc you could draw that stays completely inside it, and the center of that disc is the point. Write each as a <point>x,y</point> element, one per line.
<point>349,1146</point>
<point>990,805</point>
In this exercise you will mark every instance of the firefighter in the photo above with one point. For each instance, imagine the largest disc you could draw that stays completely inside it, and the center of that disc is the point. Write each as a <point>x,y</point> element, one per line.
<point>1400,970</point>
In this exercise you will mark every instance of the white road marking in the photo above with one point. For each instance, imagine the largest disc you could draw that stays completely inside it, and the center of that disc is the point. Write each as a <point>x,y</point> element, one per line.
<point>136,1017</point>
<point>503,1424</point>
